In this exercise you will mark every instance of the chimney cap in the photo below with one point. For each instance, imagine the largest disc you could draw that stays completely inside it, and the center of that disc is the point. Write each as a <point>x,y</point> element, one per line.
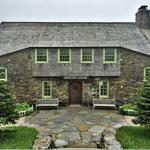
<point>143,7</point>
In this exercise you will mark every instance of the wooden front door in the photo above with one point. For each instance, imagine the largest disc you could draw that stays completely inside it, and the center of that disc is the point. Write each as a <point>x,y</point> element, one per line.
<point>75,92</point>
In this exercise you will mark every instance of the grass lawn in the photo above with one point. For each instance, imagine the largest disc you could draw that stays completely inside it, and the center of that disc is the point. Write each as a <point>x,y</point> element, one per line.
<point>134,137</point>
<point>17,137</point>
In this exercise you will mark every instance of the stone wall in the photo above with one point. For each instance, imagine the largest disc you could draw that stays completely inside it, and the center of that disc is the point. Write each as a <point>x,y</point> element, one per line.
<point>132,74</point>
<point>19,68</point>
<point>123,88</point>
<point>28,88</point>
<point>60,90</point>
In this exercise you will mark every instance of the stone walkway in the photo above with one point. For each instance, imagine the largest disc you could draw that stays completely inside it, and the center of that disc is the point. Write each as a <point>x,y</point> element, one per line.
<point>76,127</point>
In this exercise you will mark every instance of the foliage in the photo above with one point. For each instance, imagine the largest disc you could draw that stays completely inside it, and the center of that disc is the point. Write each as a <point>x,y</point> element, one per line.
<point>129,106</point>
<point>128,109</point>
<point>7,104</point>
<point>143,104</point>
<point>17,137</point>
<point>22,106</point>
<point>24,109</point>
<point>134,137</point>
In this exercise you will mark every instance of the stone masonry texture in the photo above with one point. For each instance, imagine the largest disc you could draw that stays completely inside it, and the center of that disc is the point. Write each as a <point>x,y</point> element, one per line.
<point>125,79</point>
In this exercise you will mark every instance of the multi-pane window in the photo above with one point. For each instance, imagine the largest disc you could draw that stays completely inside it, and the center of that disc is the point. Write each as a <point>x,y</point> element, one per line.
<point>87,55</point>
<point>146,73</point>
<point>64,55</point>
<point>104,89</point>
<point>41,56</point>
<point>109,55</point>
<point>46,89</point>
<point>3,74</point>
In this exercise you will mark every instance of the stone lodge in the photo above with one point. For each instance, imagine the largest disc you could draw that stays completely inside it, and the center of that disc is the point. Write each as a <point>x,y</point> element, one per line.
<point>76,61</point>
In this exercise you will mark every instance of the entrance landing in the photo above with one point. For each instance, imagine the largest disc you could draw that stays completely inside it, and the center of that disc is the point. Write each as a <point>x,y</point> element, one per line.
<point>77,127</point>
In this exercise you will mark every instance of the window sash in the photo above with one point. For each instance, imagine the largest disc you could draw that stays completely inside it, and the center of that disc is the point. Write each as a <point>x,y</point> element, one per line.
<point>87,55</point>
<point>46,89</point>
<point>41,55</point>
<point>3,73</point>
<point>104,89</point>
<point>109,55</point>
<point>64,55</point>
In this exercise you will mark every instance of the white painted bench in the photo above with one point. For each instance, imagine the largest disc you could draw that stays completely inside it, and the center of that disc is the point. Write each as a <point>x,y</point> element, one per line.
<point>104,103</point>
<point>47,103</point>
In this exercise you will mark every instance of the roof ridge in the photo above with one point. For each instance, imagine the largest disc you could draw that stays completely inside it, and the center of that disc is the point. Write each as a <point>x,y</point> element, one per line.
<point>67,22</point>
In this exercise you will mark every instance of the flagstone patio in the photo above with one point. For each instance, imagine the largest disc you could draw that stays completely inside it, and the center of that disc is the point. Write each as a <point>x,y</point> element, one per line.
<point>77,127</point>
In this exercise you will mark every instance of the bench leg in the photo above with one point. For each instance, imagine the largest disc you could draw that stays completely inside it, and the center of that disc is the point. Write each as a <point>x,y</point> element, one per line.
<point>115,107</point>
<point>93,107</point>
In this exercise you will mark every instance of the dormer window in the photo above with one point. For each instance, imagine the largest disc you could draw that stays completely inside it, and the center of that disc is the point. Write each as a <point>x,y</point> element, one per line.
<point>3,74</point>
<point>87,55</point>
<point>109,55</point>
<point>41,55</point>
<point>64,55</point>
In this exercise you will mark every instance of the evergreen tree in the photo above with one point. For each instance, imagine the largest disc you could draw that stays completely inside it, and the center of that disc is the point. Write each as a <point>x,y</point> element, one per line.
<point>7,104</point>
<point>143,104</point>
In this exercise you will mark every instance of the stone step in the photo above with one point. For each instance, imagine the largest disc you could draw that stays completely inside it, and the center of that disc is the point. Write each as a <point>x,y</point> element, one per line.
<point>82,145</point>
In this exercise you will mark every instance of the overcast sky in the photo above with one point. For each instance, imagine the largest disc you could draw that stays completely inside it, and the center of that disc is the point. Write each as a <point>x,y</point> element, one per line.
<point>70,10</point>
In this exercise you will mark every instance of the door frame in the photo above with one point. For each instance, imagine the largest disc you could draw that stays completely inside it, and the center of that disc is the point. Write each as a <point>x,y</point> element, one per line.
<point>80,82</point>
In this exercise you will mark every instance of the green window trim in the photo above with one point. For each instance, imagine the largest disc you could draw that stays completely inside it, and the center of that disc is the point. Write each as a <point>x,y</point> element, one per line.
<point>145,73</point>
<point>3,72</point>
<point>104,56</point>
<point>92,57</point>
<point>105,89</point>
<point>36,57</point>
<point>64,62</point>
<point>48,91</point>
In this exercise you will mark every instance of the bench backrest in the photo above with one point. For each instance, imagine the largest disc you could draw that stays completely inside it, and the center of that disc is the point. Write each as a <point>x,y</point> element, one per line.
<point>103,101</point>
<point>47,101</point>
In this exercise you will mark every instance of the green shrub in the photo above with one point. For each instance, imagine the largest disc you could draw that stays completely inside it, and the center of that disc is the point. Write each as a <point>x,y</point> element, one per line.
<point>7,104</point>
<point>128,109</point>
<point>143,104</point>
<point>22,106</point>
<point>24,109</point>
<point>129,106</point>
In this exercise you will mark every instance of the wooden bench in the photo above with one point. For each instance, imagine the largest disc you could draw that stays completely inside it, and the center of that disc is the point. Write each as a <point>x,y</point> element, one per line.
<point>104,103</point>
<point>47,103</point>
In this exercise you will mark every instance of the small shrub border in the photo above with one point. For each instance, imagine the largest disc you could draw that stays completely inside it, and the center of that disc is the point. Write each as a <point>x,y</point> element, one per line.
<point>25,112</point>
<point>24,109</point>
<point>128,109</point>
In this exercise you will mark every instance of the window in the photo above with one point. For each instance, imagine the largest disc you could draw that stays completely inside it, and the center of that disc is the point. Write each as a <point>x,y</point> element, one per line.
<point>104,89</point>
<point>146,73</point>
<point>87,55</point>
<point>109,55</point>
<point>41,56</point>
<point>64,55</point>
<point>3,74</point>
<point>46,89</point>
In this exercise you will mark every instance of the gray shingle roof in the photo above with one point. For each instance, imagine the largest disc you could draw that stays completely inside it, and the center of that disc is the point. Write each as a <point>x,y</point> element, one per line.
<point>15,36</point>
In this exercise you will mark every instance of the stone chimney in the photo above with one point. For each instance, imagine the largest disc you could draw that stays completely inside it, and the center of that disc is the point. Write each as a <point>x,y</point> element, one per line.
<point>143,17</point>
